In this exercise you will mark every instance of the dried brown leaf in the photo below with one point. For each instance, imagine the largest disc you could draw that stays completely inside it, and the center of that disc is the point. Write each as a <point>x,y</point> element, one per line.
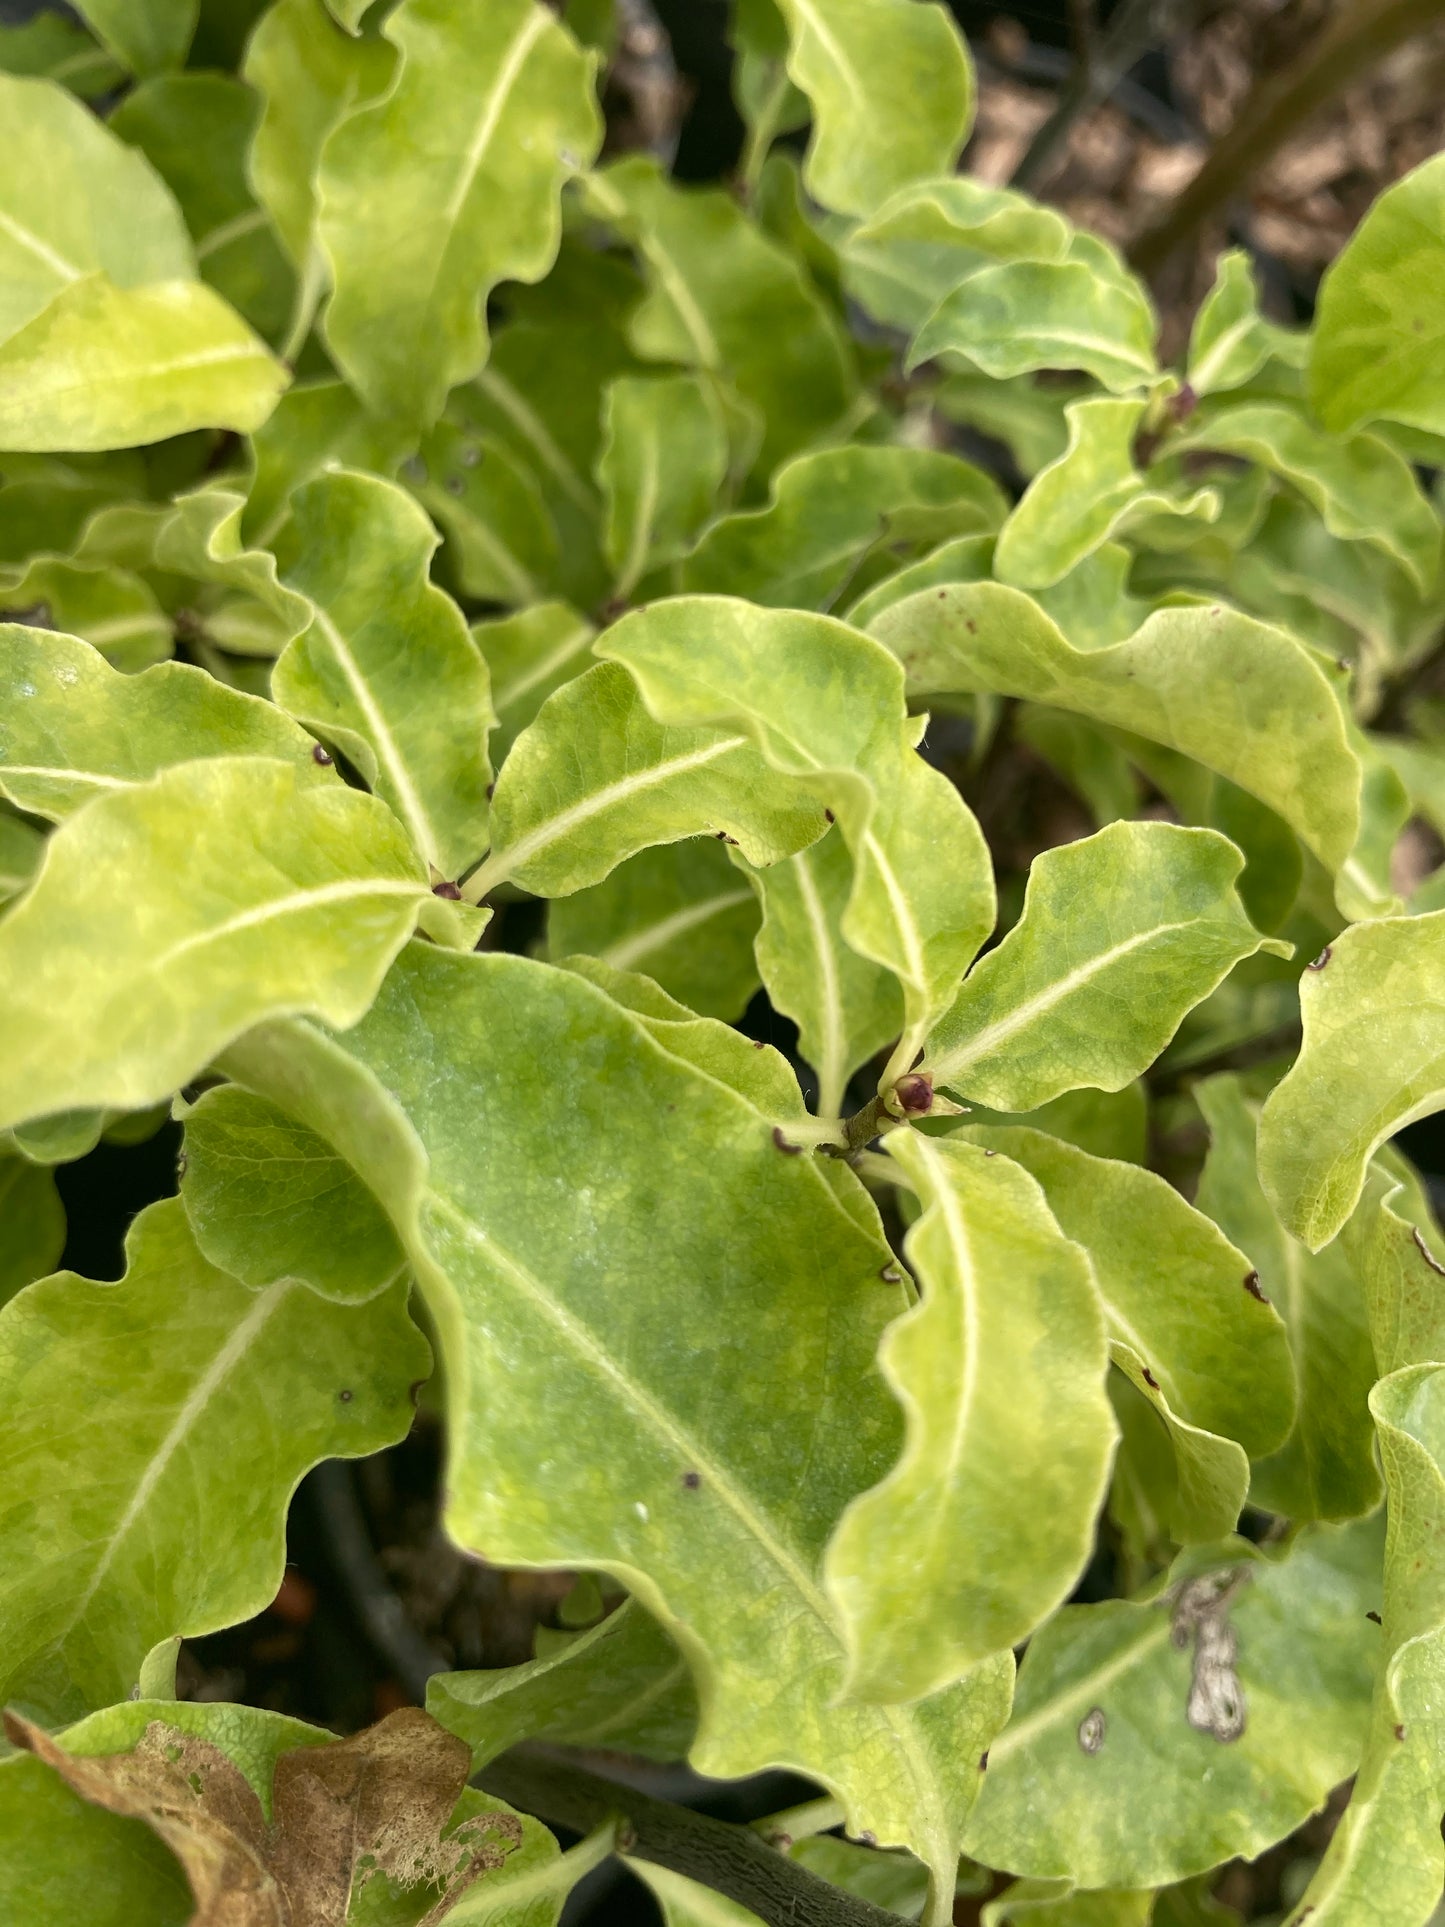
<point>375,1804</point>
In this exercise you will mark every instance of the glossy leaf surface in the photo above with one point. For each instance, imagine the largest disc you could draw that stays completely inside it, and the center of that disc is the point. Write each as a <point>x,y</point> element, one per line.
<point>1000,1372</point>
<point>1154,922</point>
<point>181,880</point>
<point>169,1514</point>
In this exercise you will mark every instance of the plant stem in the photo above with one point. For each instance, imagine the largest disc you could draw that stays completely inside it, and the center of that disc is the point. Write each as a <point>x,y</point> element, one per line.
<point>731,1860</point>
<point>1360,33</point>
<point>1136,27</point>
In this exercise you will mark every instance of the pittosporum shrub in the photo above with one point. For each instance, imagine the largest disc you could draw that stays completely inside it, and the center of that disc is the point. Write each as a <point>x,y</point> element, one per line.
<point>410,520</point>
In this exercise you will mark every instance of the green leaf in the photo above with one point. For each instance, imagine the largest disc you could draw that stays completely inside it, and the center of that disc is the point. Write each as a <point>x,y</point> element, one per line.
<point>106,367</point>
<point>891,88</point>
<point>1397,1265</point>
<point>52,47</point>
<point>1376,344</point>
<point>1102,1778</point>
<point>662,465</point>
<point>201,538</point>
<point>1385,1856</point>
<point>1107,1124</point>
<point>502,542</point>
<point>1363,490</point>
<point>453,180</point>
<point>529,655</point>
<point>594,779</point>
<point>270,1202</point>
<point>681,915</point>
<point>147,36</point>
<point>219,893</point>
<point>32,1224</point>
<point>1055,1903</point>
<point>1372,1060</point>
<point>21,846</point>
<point>626,1160</point>
<point>114,610</point>
<point>825,706</point>
<point>623,1686</point>
<point>966,558</point>
<point>846,1007</point>
<point>170,1518</point>
<point>1021,315</point>
<point>387,670</point>
<point>723,297</point>
<point>1184,1325</point>
<point>835,513</point>
<point>1094,767</point>
<point>1122,933</point>
<point>1231,341</point>
<point>1090,493</point>
<point>984,1525</point>
<point>1238,696</point>
<point>196,131</point>
<point>929,237</point>
<point>1326,1469</point>
<point>72,728</point>
<point>309,76</point>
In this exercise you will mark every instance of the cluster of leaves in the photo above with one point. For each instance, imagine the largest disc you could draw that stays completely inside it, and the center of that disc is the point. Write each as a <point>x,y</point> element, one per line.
<point>721,641</point>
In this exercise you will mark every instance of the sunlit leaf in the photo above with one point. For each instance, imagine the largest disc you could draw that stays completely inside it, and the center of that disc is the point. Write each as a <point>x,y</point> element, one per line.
<point>594,779</point>
<point>891,89</point>
<point>1373,1059</point>
<point>654,1475</point>
<point>926,239</point>
<point>1391,1241</point>
<point>452,178</point>
<point>1093,491</point>
<point>845,1006</point>
<point>1236,695</point>
<point>1184,1323</point>
<point>1377,336</point>
<point>985,1523</point>
<point>1103,1778</point>
<point>387,669</point>
<point>1020,315</point>
<point>1121,934</point>
<point>837,518</point>
<point>72,728</point>
<point>1385,1855</point>
<point>681,914</point>
<point>170,1516</point>
<point>219,892</point>
<point>1326,1468</point>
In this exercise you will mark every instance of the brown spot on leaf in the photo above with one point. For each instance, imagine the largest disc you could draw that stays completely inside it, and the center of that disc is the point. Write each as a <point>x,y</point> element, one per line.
<point>1375,1616</point>
<point>891,1275</point>
<point>451,891</point>
<point>868,1839</point>
<point>1252,1286</point>
<point>346,1396</point>
<point>1149,1378</point>
<point>970,625</point>
<point>380,1803</point>
<point>320,755</point>
<point>1399,1732</point>
<point>692,1480</point>
<point>983,1762</point>
<point>1319,962</point>
<point>788,1150</point>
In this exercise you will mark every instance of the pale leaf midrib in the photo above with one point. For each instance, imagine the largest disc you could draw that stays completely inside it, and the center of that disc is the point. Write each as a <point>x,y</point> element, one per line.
<point>237,1343</point>
<point>535,431</point>
<point>299,900</point>
<point>413,810</point>
<point>629,952</point>
<point>572,644</point>
<point>983,1042</point>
